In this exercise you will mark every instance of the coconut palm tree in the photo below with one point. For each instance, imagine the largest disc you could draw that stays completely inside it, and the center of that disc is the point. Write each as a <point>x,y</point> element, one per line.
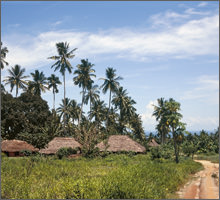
<point>92,95</point>
<point>72,109</point>
<point>4,51</point>
<point>39,83</point>
<point>64,108</point>
<point>16,78</point>
<point>83,79</point>
<point>110,83</point>
<point>62,64</point>
<point>98,111</point>
<point>160,114</point>
<point>53,81</point>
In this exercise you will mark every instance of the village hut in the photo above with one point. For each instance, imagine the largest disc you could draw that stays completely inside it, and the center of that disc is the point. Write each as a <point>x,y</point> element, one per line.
<point>117,143</point>
<point>14,147</point>
<point>60,142</point>
<point>153,143</point>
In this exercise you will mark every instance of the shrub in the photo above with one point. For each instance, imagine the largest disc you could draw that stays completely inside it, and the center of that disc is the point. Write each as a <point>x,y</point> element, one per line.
<point>90,153</point>
<point>26,152</point>
<point>155,153</point>
<point>164,152</point>
<point>66,151</point>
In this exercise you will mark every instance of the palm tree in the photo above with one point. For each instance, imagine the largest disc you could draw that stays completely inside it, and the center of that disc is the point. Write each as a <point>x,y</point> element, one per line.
<point>98,111</point>
<point>53,81</point>
<point>16,78</point>
<point>38,84</point>
<point>110,83</point>
<point>160,114</point>
<point>92,94</point>
<point>4,51</point>
<point>64,108</point>
<point>72,109</point>
<point>62,64</point>
<point>83,79</point>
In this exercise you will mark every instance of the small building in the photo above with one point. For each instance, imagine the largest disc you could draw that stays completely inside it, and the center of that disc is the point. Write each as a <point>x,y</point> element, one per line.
<point>60,142</point>
<point>12,148</point>
<point>117,143</point>
<point>153,143</point>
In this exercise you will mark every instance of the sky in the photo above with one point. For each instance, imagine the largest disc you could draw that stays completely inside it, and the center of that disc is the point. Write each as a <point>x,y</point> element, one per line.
<point>161,49</point>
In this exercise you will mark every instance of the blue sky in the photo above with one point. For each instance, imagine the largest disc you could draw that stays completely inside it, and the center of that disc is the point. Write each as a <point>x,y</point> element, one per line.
<point>161,49</point>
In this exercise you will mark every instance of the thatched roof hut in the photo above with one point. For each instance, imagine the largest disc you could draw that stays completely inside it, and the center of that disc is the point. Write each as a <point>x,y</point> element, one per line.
<point>120,143</point>
<point>153,143</point>
<point>60,142</point>
<point>13,147</point>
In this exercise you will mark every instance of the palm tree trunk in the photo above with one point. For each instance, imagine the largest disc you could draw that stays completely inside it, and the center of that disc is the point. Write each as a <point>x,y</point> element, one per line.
<point>175,147</point>
<point>109,100</point>
<point>90,108</point>
<point>53,99</point>
<point>64,116</point>
<point>80,115</point>
<point>109,107</point>
<point>16,91</point>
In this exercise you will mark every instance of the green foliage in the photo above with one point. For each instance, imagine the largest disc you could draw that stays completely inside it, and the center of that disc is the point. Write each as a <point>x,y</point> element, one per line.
<point>26,152</point>
<point>189,149</point>
<point>164,152</point>
<point>213,157</point>
<point>115,176</point>
<point>25,114</point>
<point>3,155</point>
<point>66,151</point>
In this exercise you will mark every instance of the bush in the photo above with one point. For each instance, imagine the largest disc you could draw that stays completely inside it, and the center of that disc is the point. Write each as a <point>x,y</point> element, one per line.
<point>26,152</point>
<point>164,152</point>
<point>155,153</point>
<point>3,155</point>
<point>66,151</point>
<point>90,153</point>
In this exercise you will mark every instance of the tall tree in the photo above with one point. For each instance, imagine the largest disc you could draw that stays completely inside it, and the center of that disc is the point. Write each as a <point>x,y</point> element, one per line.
<point>16,78</point>
<point>39,83</point>
<point>62,64</point>
<point>72,109</point>
<point>83,79</point>
<point>110,83</point>
<point>160,114</point>
<point>177,128</point>
<point>53,82</point>
<point>92,94</point>
<point>4,51</point>
<point>98,111</point>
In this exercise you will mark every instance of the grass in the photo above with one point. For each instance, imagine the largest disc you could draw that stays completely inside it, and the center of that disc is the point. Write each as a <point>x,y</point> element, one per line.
<point>113,177</point>
<point>214,158</point>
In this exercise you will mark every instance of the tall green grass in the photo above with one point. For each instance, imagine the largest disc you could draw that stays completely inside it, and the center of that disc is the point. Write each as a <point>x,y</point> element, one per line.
<point>214,158</point>
<point>116,176</point>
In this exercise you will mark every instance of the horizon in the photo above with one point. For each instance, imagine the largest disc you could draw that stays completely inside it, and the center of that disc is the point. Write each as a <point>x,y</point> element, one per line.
<point>161,49</point>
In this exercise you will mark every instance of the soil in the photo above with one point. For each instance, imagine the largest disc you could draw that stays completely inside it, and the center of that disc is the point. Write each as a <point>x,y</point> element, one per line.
<point>204,184</point>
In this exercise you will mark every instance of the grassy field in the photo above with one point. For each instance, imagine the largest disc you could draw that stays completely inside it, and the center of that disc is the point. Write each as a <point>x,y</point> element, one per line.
<point>214,158</point>
<point>116,176</point>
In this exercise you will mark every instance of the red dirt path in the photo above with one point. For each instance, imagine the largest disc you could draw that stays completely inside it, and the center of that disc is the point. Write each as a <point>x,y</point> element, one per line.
<point>203,185</point>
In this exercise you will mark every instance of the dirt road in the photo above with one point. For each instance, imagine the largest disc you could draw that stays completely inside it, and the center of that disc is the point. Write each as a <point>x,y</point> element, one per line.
<point>204,184</point>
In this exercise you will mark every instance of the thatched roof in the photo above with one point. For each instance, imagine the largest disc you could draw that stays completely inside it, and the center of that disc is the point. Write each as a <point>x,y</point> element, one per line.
<point>16,146</point>
<point>60,142</point>
<point>153,143</point>
<point>120,143</point>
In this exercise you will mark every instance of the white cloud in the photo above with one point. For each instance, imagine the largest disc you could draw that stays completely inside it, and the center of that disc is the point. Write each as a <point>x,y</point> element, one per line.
<point>149,121</point>
<point>192,11</point>
<point>206,89</point>
<point>194,37</point>
<point>202,4</point>
<point>199,122</point>
<point>57,23</point>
